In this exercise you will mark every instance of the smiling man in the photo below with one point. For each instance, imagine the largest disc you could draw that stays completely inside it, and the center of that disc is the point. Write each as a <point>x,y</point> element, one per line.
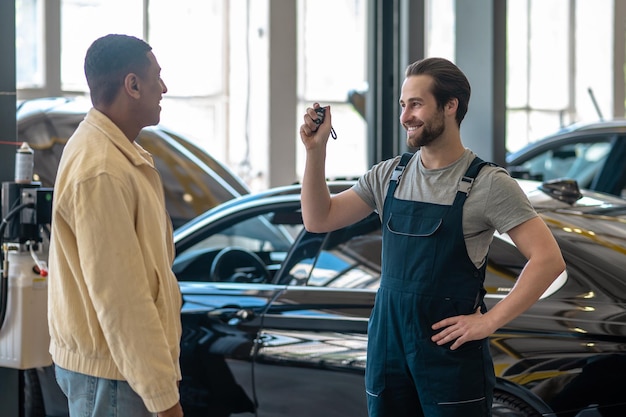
<point>428,353</point>
<point>114,302</point>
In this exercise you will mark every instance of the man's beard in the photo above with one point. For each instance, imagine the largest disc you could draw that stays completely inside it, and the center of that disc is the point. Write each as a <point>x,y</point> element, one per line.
<point>430,132</point>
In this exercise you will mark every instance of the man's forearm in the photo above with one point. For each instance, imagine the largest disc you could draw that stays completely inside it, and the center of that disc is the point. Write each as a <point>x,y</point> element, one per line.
<point>531,284</point>
<point>315,193</point>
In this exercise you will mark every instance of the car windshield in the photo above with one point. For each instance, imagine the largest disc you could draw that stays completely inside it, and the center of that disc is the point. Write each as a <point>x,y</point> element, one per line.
<point>259,241</point>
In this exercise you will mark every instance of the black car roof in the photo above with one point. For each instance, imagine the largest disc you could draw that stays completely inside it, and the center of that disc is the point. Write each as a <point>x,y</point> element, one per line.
<point>571,132</point>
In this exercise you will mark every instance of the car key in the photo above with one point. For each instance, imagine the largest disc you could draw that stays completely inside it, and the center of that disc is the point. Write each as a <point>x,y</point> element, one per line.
<point>321,114</point>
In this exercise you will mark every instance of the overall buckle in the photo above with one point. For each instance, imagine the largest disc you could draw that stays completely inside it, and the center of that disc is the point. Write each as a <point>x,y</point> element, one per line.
<point>465,185</point>
<point>397,173</point>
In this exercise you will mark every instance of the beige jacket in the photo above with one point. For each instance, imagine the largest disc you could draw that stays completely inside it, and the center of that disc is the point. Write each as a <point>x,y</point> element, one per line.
<point>113,301</point>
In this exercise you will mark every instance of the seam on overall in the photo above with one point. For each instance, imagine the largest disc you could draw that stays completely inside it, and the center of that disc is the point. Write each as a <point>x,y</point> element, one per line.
<point>371,393</point>
<point>461,402</point>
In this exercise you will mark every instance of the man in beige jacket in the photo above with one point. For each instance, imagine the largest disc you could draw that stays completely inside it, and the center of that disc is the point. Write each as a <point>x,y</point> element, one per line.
<point>114,303</point>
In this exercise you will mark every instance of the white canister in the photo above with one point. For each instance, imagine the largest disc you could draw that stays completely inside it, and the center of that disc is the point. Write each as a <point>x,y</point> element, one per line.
<point>24,164</point>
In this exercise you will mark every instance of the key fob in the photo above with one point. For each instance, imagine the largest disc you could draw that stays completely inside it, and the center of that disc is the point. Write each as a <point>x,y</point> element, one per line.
<point>321,113</point>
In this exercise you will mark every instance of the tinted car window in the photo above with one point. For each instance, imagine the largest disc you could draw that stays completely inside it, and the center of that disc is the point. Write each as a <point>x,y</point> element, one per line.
<point>580,161</point>
<point>591,153</point>
<point>346,258</point>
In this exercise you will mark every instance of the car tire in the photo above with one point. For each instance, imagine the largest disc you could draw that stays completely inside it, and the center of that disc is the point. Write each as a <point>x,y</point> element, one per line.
<point>507,405</point>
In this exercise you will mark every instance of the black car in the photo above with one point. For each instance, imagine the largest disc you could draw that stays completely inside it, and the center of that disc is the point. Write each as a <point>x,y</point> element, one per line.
<point>193,181</point>
<point>290,323</point>
<point>275,318</point>
<point>591,153</point>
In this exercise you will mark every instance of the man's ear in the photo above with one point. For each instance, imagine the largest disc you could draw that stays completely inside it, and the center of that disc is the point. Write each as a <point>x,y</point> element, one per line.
<point>131,85</point>
<point>452,105</point>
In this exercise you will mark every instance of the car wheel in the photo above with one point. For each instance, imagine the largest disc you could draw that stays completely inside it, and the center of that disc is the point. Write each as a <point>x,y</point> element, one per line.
<point>238,265</point>
<point>507,405</point>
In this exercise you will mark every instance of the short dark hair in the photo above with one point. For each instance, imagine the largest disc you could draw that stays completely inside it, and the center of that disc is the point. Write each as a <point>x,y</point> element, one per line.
<point>107,62</point>
<point>448,82</point>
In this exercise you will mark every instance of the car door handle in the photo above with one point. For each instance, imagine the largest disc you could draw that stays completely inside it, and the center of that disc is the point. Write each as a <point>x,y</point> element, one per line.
<point>232,316</point>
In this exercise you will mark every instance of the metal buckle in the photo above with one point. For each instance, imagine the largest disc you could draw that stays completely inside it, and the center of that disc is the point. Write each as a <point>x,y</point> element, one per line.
<point>397,173</point>
<point>465,185</point>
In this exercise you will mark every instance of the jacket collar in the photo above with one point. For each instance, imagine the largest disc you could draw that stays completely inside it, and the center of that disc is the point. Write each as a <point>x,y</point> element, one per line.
<point>131,150</point>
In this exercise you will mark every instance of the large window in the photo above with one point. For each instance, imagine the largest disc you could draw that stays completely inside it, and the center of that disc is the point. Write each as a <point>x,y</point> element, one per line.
<point>191,44</point>
<point>332,61</point>
<point>188,41</point>
<point>84,21</point>
<point>440,26</point>
<point>559,61</point>
<point>214,55</point>
<point>29,44</point>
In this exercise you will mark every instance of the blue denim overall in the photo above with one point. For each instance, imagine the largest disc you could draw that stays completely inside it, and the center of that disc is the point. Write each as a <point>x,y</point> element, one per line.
<point>427,276</point>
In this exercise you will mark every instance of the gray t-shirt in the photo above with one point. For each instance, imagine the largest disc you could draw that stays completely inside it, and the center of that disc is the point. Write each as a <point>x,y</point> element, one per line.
<point>495,202</point>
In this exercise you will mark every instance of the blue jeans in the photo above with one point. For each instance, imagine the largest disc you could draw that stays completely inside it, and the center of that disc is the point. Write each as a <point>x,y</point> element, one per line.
<point>90,396</point>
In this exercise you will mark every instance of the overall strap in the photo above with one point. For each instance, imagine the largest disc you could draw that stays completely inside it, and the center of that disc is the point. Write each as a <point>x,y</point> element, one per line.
<point>465,183</point>
<point>397,173</point>
<point>467,180</point>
